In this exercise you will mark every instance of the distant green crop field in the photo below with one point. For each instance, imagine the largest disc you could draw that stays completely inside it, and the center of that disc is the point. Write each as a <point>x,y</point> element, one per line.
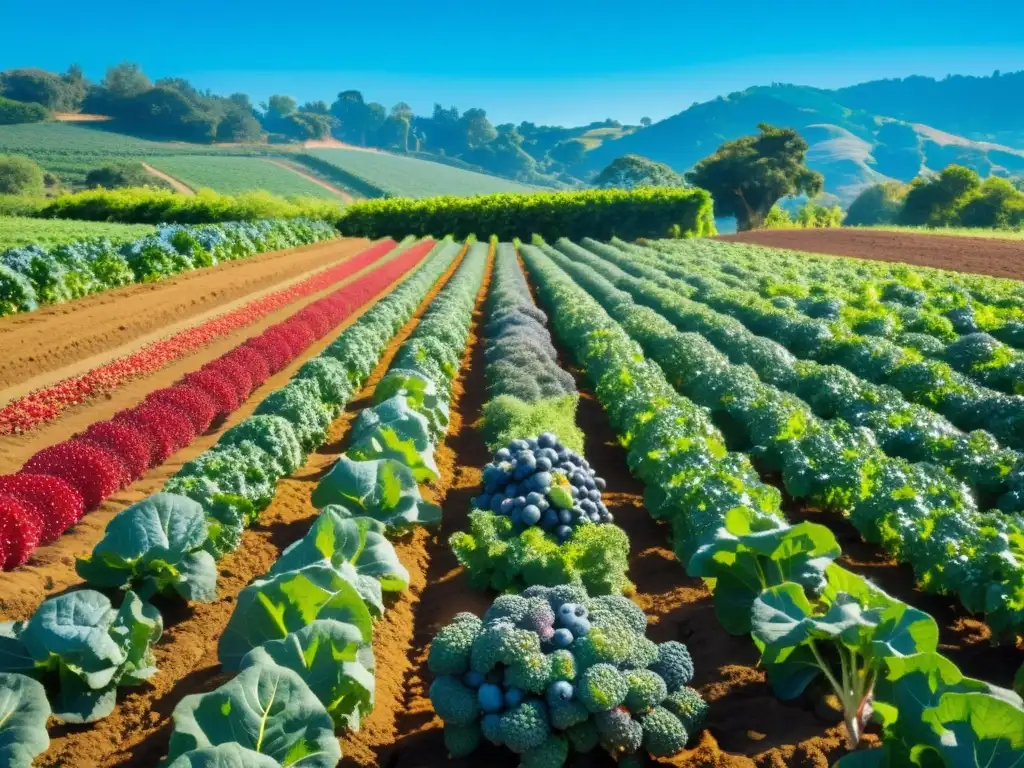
<point>16,231</point>
<point>410,177</point>
<point>233,175</point>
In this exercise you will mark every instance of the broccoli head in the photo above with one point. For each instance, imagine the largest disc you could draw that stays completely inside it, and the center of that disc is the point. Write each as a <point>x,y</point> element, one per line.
<point>583,737</point>
<point>610,642</point>
<point>565,714</point>
<point>501,643</point>
<point>453,702</point>
<point>462,740</point>
<point>551,754</point>
<point>531,671</point>
<point>664,734</point>
<point>563,665</point>
<point>525,726</point>
<point>622,607</point>
<point>688,706</point>
<point>674,665</point>
<point>509,607</point>
<point>619,733</point>
<point>538,618</point>
<point>646,690</point>
<point>602,687</point>
<point>449,651</point>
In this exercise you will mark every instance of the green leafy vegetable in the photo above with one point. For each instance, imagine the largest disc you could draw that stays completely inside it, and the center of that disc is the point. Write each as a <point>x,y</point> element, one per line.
<point>227,755</point>
<point>24,711</point>
<point>394,430</point>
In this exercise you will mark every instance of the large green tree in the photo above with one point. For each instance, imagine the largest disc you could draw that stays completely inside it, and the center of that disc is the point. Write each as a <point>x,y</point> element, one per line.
<point>937,201</point>
<point>878,204</point>
<point>631,171</point>
<point>747,176</point>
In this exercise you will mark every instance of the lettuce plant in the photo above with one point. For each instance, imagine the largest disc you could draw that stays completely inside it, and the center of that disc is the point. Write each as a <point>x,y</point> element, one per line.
<point>85,648</point>
<point>394,430</point>
<point>24,711</point>
<point>157,546</point>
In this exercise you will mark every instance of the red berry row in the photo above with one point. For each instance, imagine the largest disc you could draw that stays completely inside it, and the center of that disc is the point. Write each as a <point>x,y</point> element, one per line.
<point>61,483</point>
<point>47,403</point>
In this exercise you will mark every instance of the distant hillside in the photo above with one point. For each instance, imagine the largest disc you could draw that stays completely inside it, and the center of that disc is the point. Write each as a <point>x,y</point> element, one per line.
<point>887,129</point>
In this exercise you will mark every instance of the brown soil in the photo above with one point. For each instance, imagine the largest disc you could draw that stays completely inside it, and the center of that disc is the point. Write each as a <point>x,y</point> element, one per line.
<point>311,178</point>
<point>177,186</point>
<point>1001,258</point>
<point>335,144</point>
<point>79,117</point>
<point>56,339</point>
<point>51,568</point>
<point>136,733</point>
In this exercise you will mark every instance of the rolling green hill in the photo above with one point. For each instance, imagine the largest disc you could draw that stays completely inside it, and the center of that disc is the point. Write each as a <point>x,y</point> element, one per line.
<point>889,129</point>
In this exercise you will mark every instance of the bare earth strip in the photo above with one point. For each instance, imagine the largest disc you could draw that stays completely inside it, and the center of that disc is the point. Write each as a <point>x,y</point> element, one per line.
<point>986,256</point>
<point>177,185</point>
<point>313,179</point>
<point>57,337</point>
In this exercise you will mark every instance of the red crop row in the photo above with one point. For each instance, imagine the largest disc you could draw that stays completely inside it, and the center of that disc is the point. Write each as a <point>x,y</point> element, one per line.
<point>61,483</point>
<point>47,403</point>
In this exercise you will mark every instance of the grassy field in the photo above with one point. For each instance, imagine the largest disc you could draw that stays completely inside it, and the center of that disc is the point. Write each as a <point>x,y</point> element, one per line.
<point>409,177</point>
<point>233,175</point>
<point>999,234</point>
<point>16,231</point>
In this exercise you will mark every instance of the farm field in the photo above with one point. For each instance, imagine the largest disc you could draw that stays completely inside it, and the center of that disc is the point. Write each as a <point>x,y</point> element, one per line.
<point>998,256</point>
<point>233,175</point>
<point>410,177</point>
<point>312,499</point>
<point>18,230</point>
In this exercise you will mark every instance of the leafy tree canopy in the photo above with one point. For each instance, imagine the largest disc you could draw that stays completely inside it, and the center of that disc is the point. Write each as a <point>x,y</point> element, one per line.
<point>747,176</point>
<point>878,204</point>
<point>20,176</point>
<point>632,171</point>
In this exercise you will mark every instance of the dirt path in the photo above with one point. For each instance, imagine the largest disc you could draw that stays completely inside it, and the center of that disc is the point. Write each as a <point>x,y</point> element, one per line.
<point>57,337</point>
<point>176,185</point>
<point>347,197</point>
<point>986,256</point>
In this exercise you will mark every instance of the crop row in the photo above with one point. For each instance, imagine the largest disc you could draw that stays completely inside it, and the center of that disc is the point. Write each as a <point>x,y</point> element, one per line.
<point>167,543</point>
<point>995,475</point>
<point>305,630</point>
<point>33,275</point>
<point>43,405</point>
<point>893,310</point>
<point>60,483</point>
<point>920,514</point>
<point>927,382</point>
<point>808,616</point>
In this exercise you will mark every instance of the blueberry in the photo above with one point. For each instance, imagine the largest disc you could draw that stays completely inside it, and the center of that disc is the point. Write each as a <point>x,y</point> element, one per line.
<point>600,483</point>
<point>574,491</point>
<point>580,626</point>
<point>562,638</point>
<point>563,532</point>
<point>595,495</point>
<point>542,480</point>
<point>484,501</point>
<point>530,515</point>
<point>532,443</point>
<point>503,454</point>
<point>511,490</point>
<point>549,519</point>
<point>518,445</point>
<point>520,501</point>
<point>506,506</point>
<point>601,507</point>
<point>533,497</point>
<point>578,478</point>
<point>595,517</point>
<point>490,698</point>
<point>589,484</point>
<point>526,457</point>
<point>513,696</point>
<point>496,503</point>
<point>606,517</point>
<point>588,506</point>
<point>543,504</point>
<point>516,516</point>
<point>580,611</point>
<point>560,690</point>
<point>566,613</point>
<point>543,464</point>
<point>564,516</point>
<point>547,440</point>
<point>473,679</point>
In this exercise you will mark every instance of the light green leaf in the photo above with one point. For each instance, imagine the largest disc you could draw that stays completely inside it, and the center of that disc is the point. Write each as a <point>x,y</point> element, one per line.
<point>23,714</point>
<point>385,490</point>
<point>273,608</point>
<point>266,709</point>
<point>229,755</point>
<point>333,660</point>
<point>780,616</point>
<point>978,730</point>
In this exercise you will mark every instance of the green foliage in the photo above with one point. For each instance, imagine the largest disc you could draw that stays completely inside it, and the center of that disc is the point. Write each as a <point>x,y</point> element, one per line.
<point>17,231</point>
<point>595,213</point>
<point>505,418</point>
<point>157,546</point>
<point>227,755</point>
<point>85,648</point>
<point>24,711</point>
<point>936,201</point>
<point>267,709</point>
<point>154,206</point>
<point>235,175</point>
<point>120,176</point>
<point>876,205</point>
<point>17,112</point>
<point>747,176</point>
<point>273,608</point>
<point>20,176</point>
<point>498,557</point>
<point>632,171</point>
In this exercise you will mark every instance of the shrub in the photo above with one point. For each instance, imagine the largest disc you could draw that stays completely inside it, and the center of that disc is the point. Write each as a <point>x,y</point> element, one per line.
<point>601,214</point>
<point>214,384</point>
<point>20,531</point>
<point>20,176</point>
<point>16,112</point>
<point>125,442</point>
<point>169,426</point>
<point>254,363</point>
<point>119,176</point>
<point>190,401</point>
<point>60,506</point>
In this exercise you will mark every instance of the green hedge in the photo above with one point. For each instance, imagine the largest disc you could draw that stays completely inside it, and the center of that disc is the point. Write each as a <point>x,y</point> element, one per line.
<point>600,214</point>
<point>16,112</point>
<point>147,205</point>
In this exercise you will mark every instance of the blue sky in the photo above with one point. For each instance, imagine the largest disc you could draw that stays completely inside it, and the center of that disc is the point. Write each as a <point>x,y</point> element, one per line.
<point>550,62</point>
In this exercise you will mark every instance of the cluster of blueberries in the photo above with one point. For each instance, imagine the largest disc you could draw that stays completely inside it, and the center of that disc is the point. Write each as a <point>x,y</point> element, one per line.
<point>541,482</point>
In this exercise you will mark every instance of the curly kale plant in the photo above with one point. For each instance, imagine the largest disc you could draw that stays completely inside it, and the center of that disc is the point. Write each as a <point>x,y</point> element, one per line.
<point>553,670</point>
